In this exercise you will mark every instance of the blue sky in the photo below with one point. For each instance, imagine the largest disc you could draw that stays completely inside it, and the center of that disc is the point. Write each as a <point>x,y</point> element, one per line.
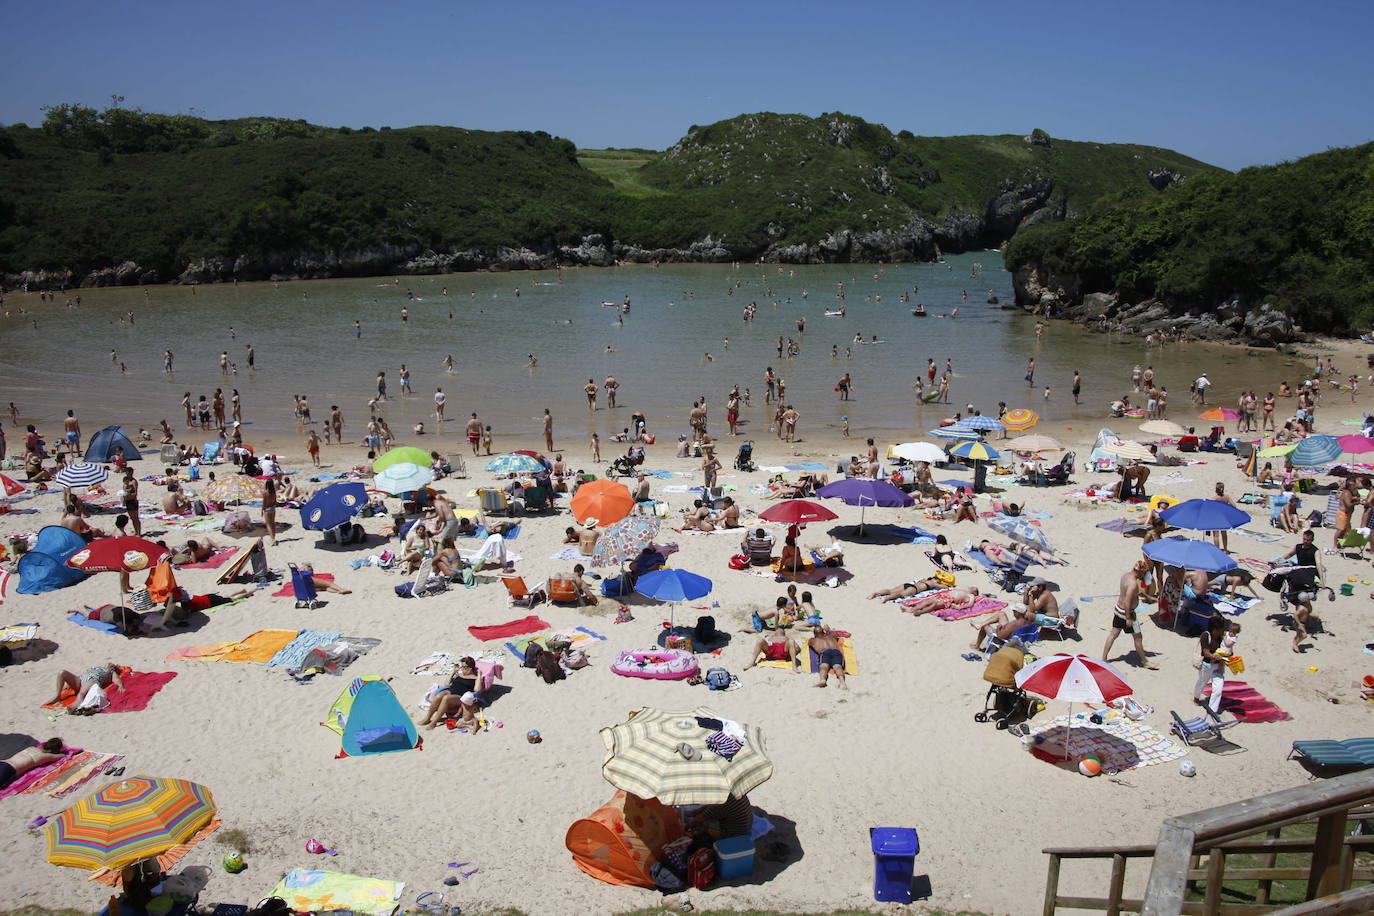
<point>1233,83</point>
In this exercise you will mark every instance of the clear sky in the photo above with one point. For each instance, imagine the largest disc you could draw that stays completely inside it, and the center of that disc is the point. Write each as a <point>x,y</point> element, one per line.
<point>1232,83</point>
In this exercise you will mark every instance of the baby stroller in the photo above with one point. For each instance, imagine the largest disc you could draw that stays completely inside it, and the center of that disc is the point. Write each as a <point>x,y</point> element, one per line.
<point>744,461</point>
<point>625,465</point>
<point>1295,584</point>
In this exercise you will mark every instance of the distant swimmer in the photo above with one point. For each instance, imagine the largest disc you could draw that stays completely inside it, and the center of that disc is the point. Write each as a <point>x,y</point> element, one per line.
<point>357,329</point>
<point>448,363</point>
<point>530,363</point>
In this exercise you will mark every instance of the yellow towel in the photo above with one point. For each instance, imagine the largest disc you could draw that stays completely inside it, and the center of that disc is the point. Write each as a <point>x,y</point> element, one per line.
<point>260,646</point>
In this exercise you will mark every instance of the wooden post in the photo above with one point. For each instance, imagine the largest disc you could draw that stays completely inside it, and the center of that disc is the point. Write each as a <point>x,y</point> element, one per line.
<point>1169,872</point>
<point>1052,885</point>
<point>1326,856</point>
<point>1216,875</point>
<point>1118,880</point>
<point>1266,885</point>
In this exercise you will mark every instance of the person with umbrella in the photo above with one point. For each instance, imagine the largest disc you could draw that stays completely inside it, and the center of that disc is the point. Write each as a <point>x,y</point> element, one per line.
<point>1125,616</point>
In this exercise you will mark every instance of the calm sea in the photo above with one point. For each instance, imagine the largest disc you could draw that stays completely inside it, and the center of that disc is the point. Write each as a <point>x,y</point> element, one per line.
<point>303,334</point>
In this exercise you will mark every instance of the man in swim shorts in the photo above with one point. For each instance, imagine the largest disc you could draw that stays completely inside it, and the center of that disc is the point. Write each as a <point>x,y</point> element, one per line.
<point>827,646</point>
<point>72,433</point>
<point>1124,616</point>
<point>474,431</point>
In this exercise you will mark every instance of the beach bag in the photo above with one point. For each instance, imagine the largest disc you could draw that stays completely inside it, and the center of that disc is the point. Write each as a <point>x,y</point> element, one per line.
<point>701,868</point>
<point>944,578</point>
<point>547,667</point>
<point>198,507</point>
<point>739,561</point>
<point>613,587</point>
<point>717,678</point>
<point>573,659</point>
<point>405,590</point>
<point>1273,581</point>
<point>532,653</point>
<point>237,520</point>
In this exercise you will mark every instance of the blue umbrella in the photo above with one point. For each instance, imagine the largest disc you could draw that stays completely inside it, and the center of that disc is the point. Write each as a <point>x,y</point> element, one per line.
<point>1175,551</point>
<point>673,585</point>
<point>515,463</point>
<point>333,505</point>
<point>1021,531</point>
<point>1315,450</point>
<point>957,431</point>
<point>975,450</point>
<point>1205,515</point>
<point>864,492</point>
<point>981,422</point>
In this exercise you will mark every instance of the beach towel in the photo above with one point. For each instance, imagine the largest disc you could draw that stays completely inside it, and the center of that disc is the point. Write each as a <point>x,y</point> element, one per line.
<point>851,659</point>
<point>1232,604</point>
<point>256,647</point>
<point>139,688</point>
<point>531,624</point>
<point>287,591</point>
<point>1118,742</point>
<point>218,559</point>
<point>317,891</point>
<point>1255,534</point>
<point>165,862</point>
<point>568,553</point>
<point>1122,525</point>
<point>81,771</point>
<point>984,605</point>
<point>4,585</point>
<point>28,782</point>
<point>1247,704</point>
<point>293,653</point>
<point>914,533</point>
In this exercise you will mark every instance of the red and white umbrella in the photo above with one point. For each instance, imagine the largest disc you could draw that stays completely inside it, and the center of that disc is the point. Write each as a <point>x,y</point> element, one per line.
<point>1073,679</point>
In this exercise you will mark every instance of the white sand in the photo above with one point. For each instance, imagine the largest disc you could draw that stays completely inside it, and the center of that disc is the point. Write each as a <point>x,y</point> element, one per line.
<point>900,748</point>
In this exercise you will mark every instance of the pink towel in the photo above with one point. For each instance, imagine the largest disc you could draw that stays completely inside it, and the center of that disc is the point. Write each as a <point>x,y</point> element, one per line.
<point>218,559</point>
<point>24,782</point>
<point>1247,704</point>
<point>529,624</point>
<point>288,590</point>
<point>981,606</point>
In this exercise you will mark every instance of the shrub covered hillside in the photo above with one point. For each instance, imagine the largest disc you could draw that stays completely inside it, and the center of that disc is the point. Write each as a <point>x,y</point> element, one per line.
<point>89,190</point>
<point>1298,235</point>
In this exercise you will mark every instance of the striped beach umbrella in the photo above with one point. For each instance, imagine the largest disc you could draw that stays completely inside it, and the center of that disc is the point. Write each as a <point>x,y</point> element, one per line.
<point>128,821</point>
<point>1129,450</point>
<point>665,755</point>
<point>81,474</point>
<point>402,477</point>
<point>1315,450</point>
<point>1021,531</point>
<point>234,488</point>
<point>399,454</point>
<point>515,463</point>
<point>957,431</point>
<point>974,450</point>
<point>1020,418</point>
<point>1034,443</point>
<point>1073,679</point>
<point>981,423</point>
<point>1162,428</point>
<point>624,540</point>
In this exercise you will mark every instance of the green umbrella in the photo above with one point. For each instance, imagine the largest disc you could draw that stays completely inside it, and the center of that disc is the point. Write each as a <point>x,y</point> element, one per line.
<point>400,454</point>
<point>644,758</point>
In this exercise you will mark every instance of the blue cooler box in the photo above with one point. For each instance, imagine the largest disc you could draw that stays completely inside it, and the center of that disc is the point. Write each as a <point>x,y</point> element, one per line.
<point>734,857</point>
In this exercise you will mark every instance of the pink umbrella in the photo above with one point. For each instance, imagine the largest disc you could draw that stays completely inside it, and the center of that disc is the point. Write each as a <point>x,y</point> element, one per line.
<point>1074,679</point>
<point>1356,444</point>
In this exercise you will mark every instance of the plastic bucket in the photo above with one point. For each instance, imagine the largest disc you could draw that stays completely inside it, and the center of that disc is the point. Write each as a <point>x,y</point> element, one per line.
<point>1236,663</point>
<point>734,857</point>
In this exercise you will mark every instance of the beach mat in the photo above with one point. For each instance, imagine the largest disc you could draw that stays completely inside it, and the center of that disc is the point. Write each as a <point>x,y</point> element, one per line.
<point>1247,704</point>
<point>139,688</point>
<point>1232,604</point>
<point>530,624</point>
<point>27,783</point>
<point>81,771</point>
<point>293,653</point>
<point>221,556</point>
<point>257,647</point>
<point>318,891</point>
<point>1119,743</point>
<point>82,620</point>
<point>851,658</point>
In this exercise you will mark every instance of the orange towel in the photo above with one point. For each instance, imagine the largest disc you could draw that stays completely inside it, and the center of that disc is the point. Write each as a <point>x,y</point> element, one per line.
<point>161,582</point>
<point>256,647</point>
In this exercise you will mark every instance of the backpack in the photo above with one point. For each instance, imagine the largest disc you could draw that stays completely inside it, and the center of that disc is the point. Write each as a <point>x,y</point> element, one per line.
<point>547,667</point>
<point>717,678</point>
<point>405,589</point>
<point>532,653</point>
<point>701,868</point>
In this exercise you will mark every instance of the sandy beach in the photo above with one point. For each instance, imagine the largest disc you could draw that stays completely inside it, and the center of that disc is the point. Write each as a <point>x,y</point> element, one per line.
<point>900,747</point>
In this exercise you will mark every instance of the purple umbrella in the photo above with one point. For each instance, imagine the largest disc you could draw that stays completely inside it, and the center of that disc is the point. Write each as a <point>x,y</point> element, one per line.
<point>864,492</point>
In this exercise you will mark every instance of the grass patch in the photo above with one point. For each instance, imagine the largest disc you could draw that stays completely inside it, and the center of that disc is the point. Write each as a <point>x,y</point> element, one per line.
<point>622,168</point>
<point>1281,893</point>
<point>235,839</point>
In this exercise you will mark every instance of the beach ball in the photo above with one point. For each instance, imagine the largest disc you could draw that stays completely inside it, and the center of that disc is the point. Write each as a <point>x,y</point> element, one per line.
<point>233,863</point>
<point>1186,768</point>
<point>533,736</point>
<point>1090,766</point>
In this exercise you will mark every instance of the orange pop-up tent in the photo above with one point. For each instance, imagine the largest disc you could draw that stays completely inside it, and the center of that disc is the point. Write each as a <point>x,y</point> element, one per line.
<point>621,840</point>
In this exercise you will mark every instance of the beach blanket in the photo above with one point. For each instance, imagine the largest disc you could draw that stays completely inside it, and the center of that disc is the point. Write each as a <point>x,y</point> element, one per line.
<point>28,782</point>
<point>18,635</point>
<point>110,877</point>
<point>293,653</point>
<point>1256,534</point>
<point>318,891</point>
<point>1118,742</point>
<point>916,534</point>
<point>1247,704</point>
<point>218,559</point>
<point>256,647</point>
<point>82,620</point>
<point>288,590</point>
<point>139,688</point>
<point>1121,525</point>
<point>530,624</point>
<point>568,553</point>
<point>1232,604</point>
<point>81,771</point>
<point>851,659</point>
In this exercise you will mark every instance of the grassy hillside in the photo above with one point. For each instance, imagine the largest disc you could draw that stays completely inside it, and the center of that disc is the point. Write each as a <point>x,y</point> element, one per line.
<point>1299,235</point>
<point>90,189</point>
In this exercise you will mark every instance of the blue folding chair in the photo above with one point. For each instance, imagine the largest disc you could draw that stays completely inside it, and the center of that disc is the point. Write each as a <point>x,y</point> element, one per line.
<point>303,584</point>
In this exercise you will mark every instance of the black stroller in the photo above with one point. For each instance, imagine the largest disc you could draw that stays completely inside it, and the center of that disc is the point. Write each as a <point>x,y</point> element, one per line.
<point>744,461</point>
<point>626,464</point>
<point>1295,584</point>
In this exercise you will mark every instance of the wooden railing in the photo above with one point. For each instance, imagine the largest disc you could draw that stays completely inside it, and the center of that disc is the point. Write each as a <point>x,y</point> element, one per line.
<point>1249,827</point>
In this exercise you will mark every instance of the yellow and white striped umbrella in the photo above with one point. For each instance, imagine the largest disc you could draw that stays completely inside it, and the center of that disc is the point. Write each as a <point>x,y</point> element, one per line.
<point>1129,450</point>
<point>1162,428</point>
<point>644,757</point>
<point>1034,443</point>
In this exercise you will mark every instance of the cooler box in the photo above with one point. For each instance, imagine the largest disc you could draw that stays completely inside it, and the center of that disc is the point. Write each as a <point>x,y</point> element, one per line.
<point>894,862</point>
<point>734,857</point>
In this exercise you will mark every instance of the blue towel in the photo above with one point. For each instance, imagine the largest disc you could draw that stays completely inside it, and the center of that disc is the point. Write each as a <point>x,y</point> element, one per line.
<point>916,534</point>
<point>512,534</point>
<point>82,620</point>
<point>589,633</point>
<point>320,477</point>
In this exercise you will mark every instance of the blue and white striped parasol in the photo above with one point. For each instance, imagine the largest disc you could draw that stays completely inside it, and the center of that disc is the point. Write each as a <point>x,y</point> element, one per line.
<point>957,431</point>
<point>81,474</point>
<point>981,422</point>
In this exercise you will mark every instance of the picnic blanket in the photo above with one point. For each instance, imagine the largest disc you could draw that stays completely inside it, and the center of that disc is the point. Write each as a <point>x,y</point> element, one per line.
<point>289,591</point>
<point>530,624</point>
<point>293,653</point>
<point>216,560</point>
<point>319,891</point>
<point>1247,704</point>
<point>110,877</point>
<point>257,647</point>
<point>1118,742</point>
<point>139,688</point>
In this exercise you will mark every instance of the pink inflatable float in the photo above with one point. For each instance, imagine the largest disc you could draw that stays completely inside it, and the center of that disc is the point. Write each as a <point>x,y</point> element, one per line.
<point>660,664</point>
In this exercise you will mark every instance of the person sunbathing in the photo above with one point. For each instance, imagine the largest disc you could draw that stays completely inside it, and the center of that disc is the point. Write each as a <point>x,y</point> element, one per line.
<point>698,518</point>
<point>194,552</point>
<point>16,765</point>
<point>768,618</point>
<point>288,492</point>
<point>790,557</point>
<point>459,695</point>
<point>1008,554</point>
<point>102,676</point>
<point>826,645</point>
<point>907,590</point>
<point>950,598</point>
<point>776,648</point>
<point>324,585</point>
<point>963,507</point>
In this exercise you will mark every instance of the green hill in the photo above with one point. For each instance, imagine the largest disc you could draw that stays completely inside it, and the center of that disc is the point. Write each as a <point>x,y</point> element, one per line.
<point>90,190</point>
<point>1299,236</point>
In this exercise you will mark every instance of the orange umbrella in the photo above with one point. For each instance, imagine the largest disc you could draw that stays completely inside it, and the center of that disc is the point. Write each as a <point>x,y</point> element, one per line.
<point>1219,415</point>
<point>1019,418</point>
<point>603,501</point>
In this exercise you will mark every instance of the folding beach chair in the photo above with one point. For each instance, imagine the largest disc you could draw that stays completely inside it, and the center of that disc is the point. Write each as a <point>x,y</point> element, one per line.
<point>1200,729</point>
<point>520,596</point>
<point>495,502</point>
<point>537,500</point>
<point>563,590</point>
<point>1028,634</point>
<point>303,585</point>
<point>1352,544</point>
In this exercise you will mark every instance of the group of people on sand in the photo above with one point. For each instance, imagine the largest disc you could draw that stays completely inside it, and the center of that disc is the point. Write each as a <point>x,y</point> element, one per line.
<point>774,643</point>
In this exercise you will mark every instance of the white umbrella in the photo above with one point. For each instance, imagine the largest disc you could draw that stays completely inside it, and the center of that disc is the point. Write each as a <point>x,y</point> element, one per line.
<point>402,478</point>
<point>1131,451</point>
<point>917,451</point>
<point>81,474</point>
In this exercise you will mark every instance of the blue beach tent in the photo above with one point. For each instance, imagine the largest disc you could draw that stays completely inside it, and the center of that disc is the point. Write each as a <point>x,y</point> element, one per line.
<point>370,719</point>
<point>104,443</point>
<point>44,568</point>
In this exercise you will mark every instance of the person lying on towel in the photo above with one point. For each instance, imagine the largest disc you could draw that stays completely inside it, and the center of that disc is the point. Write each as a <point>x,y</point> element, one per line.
<point>951,598</point>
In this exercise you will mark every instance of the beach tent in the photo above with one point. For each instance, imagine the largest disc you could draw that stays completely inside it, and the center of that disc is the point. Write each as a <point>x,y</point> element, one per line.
<point>45,568</point>
<point>370,719</point>
<point>620,841</point>
<point>106,441</point>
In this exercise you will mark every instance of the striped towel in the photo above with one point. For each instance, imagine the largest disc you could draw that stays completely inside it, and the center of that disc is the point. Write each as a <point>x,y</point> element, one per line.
<point>294,653</point>
<point>77,776</point>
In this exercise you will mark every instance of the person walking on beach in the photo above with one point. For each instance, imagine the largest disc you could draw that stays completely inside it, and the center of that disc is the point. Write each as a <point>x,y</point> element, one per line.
<point>1212,666</point>
<point>312,445</point>
<point>789,420</point>
<point>1125,617</point>
<point>548,429</point>
<point>235,406</point>
<point>336,421</point>
<point>381,386</point>
<point>1030,372</point>
<point>405,380</point>
<point>474,433</point>
<point>596,448</point>
<point>843,386</point>
<point>71,430</point>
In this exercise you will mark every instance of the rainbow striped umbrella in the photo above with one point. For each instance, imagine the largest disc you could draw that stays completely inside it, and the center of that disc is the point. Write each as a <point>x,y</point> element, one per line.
<point>128,821</point>
<point>1020,418</point>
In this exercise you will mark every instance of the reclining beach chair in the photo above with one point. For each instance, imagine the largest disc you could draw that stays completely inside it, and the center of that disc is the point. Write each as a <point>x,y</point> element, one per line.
<point>495,502</point>
<point>537,500</point>
<point>303,586</point>
<point>520,596</point>
<point>1350,754</point>
<point>1061,472</point>
<point>1008,578</point>
<point>1204,727</point>
<point>563,590</point>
